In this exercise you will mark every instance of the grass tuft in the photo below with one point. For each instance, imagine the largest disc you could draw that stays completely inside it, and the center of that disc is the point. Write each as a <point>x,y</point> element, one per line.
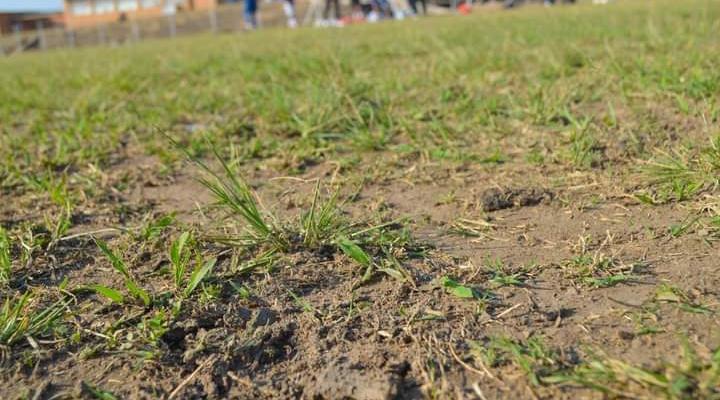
<point>5,260</point>
<point>232,192</point>
<point>681,174</point>
<point>532,356</point>
<point>321,226</point>
<point>693,377</point>
<point>132,286</point>
<point>323,222</point>
<point>19,319</point>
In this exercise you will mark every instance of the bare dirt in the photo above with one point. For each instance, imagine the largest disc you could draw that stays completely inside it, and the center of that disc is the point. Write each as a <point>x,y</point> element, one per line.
<point>384,339</point>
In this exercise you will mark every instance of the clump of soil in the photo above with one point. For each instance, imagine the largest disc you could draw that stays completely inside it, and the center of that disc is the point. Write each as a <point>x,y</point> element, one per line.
<point>342,380</point>
<point>500,199</point>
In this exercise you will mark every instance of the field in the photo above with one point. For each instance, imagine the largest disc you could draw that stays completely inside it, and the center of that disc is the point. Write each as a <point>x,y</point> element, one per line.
<point>512,204</point>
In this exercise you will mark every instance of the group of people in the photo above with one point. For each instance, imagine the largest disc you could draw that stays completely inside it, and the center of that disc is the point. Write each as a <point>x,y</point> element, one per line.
<point>329,13</point>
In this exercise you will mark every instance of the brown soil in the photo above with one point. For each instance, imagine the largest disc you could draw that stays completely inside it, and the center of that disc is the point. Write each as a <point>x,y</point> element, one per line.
<point>385,339</point>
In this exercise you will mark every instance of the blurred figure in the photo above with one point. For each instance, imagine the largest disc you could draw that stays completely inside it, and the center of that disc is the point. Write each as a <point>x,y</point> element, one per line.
<point>464,8</point>
<point>400,9</point>
<point>326,13</point>
<point>289,9</point>
<point>414,8</point>
<point>250,14</point>
<point>379,9</point>
<point>384,8</point>
<point>356,13</point>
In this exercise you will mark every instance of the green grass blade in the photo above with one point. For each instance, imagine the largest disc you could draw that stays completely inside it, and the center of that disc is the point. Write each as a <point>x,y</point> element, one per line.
<point>199,273</point>
<point>138,292</point>
<point>179,257</point>
<point>18,320</point>
<point>98,393</point>
<point>176,250</point>
<point>352,250</point>
<point>5,261</point>
<point>111,294</point>
<point>11,318</point>
<point>116,262</point>
<point>456,289</point>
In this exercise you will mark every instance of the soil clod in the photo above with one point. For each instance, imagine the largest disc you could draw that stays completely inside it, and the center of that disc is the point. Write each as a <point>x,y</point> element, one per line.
<point>497,199</point>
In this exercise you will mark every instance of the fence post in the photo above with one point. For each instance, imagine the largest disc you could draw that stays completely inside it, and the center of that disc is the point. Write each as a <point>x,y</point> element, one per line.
<point>172,25</point>
<point>18,37</point>
<point>213,19</point>
<point>102,33</point>
<point>135,30</point>
<point>41,34</point>
<point>70,38</point>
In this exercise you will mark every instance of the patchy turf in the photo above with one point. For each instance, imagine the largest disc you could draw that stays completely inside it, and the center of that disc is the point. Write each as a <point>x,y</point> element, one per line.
<point>512,204</point>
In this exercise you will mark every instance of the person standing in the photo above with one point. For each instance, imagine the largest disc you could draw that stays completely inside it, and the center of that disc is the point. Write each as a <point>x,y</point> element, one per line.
<point>326,13</point>
<point>413,6</point>
<point>250,14</point>
<point>289,9</point>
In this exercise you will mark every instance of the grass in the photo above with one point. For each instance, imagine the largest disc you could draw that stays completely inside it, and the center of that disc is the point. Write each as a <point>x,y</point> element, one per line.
<point>583,149</point>
<point>693,377</point>
<point>683,227</point>
<point>146,314</point>
<point>201,270</point>
<point>502,275</point>
<point>131,284</point>
<point>685,172</point>
<point>367,104</point>
<point>471,228</point>
<point>351,164</point>
<point>180,254</point>
<point>269,238</point>
<point>456,289</point>
<point>153,228</point>
<point>598,270</point>
<point>97,392</point>
<point>5,260</point>
<point>533,356</point>
<point>667,293</point>
<point>20,317</point>
<point>323,222</point>
<point>714,226</point>
<point>232,192</point>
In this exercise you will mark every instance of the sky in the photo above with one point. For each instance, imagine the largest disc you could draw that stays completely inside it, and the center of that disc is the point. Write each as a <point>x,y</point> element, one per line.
<point>30,5</point>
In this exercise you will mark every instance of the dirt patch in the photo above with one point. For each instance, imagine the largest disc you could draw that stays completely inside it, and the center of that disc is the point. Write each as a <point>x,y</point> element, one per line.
<point>341,380</point>
<point>303,332</point>
<point>498,199</point>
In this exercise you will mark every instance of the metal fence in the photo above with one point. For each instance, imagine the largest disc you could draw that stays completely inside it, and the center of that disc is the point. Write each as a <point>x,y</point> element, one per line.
<point>226,18</point>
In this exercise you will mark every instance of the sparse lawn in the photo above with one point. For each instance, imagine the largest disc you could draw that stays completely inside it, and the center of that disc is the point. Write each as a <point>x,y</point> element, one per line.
<point>511,204</point>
